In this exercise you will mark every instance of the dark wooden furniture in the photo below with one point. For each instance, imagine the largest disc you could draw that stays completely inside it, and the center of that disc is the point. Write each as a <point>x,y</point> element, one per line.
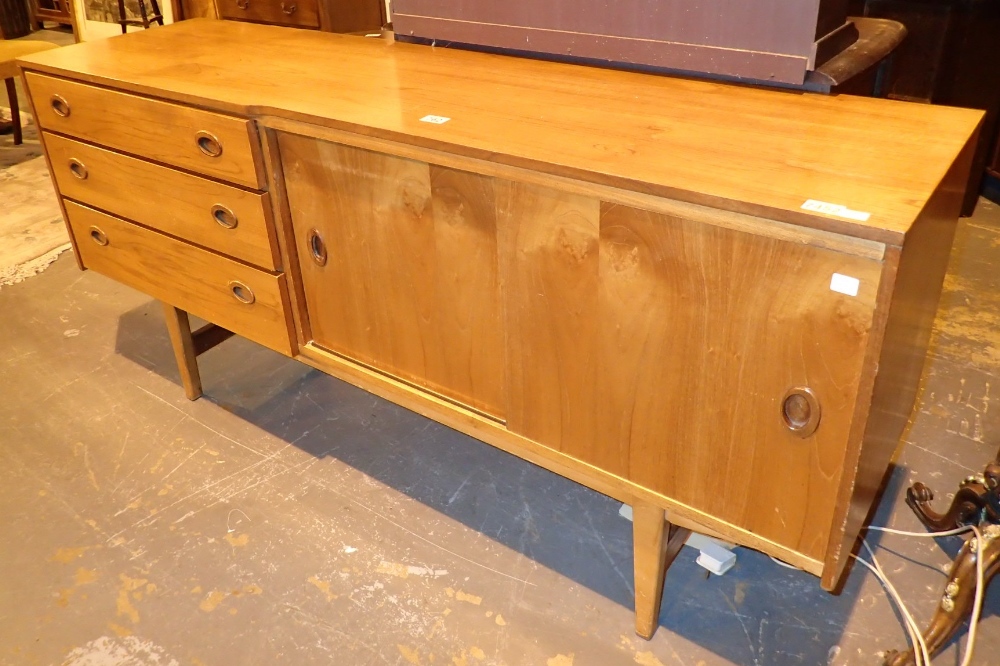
<point>977,502</point>
<point>15,21</point>
<point>952,57</point>
<point>730,337</point>
<point>145,17</point>
<point>327,15</point>
<point>764,40</point>
<point>58,11</point>
<point>863,67</point>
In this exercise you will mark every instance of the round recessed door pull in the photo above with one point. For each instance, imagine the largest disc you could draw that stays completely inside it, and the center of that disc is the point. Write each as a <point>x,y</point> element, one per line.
<point>317,248</point>
<point>288,8</point>
<point>208,143</point>
<point>243,4</point>
<point>77,168</point>
<point>224,216</point>
<point>801,411</point>
<point>98,236</point>
<point>60,106</point>
<point>241,292</point>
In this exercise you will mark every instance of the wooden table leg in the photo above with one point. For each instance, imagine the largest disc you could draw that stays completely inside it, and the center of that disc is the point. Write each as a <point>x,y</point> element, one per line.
<point>15,116</point>
<point>656,543</point>
<point>184,350</point>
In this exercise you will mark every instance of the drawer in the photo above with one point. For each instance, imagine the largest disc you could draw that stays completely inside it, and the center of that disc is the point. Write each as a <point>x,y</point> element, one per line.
<point>220,217</point>
<point>301,13</point>
<point>214,144</point>
<point>247,301</point>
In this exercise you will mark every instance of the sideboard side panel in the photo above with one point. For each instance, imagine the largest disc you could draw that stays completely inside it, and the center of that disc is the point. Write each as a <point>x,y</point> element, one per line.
<point>910,316</point>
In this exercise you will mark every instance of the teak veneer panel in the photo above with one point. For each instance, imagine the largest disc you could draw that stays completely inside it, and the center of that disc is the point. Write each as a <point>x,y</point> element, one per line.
<point>157,130</point>
<point>172,201</point>
<point>549,241</point>
<point>410,281</point>
<point>704,329</point>
<point>744,149</point>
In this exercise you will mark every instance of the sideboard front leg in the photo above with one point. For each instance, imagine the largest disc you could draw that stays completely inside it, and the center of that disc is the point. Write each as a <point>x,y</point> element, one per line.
<point>656,543</point>
<point>188,345</point>
<point>179,328</point>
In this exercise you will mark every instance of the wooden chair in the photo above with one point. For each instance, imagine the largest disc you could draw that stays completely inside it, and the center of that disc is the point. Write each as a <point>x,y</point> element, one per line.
<point>10,50</point>
<point>146,18</point>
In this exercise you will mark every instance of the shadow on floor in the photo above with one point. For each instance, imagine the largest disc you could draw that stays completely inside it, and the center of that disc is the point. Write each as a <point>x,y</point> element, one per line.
<point>757,613</point>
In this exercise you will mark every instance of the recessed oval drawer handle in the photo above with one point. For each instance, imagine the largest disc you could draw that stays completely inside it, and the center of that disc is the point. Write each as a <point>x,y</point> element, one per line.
<point>243,4</point>
<point>224,216</point>
<point>317,248</point>
<point>801,411</point>
<point>60,106</point>
<point>98,236</point>
<point>208,143</point>
<point>289,8</point>
<point>241,292</point>
<point>77,168</point>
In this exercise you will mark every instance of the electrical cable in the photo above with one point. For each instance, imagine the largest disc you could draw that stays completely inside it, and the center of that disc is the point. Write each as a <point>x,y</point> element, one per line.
<point>913,630</point>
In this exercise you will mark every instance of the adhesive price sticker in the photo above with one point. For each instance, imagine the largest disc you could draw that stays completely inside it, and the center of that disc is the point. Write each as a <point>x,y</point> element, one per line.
<point>837,210</point>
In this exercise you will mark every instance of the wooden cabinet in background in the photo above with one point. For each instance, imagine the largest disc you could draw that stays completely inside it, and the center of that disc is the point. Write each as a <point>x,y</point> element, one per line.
<point>326,15</point>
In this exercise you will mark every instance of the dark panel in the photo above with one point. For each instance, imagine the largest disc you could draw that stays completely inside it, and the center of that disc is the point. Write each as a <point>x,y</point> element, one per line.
<point>14,20</point>
<point>678,56</point>
<point>775,26</point>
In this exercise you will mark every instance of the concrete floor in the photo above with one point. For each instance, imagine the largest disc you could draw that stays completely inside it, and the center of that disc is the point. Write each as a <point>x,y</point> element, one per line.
<point>287,517</point>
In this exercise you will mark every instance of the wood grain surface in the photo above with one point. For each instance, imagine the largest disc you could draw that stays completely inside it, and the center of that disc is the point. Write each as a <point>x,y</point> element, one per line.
<point>704,329</point>
<point>151,128</point>
<point>185,276</point>
<point>172,201</point>
<point>410,282</point>
<point>737,148</point>
<point>906,315</point>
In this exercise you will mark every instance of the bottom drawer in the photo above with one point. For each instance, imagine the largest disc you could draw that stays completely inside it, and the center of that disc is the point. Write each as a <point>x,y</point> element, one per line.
<point>245,300</point>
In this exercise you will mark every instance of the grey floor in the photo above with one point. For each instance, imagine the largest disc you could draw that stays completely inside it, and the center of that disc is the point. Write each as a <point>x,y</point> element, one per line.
<point>289,518</point>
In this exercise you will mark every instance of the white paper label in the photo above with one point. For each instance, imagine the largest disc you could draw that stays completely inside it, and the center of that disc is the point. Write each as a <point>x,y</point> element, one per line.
<point>844,284</point>
<point>437,120</point>
<point>836,209</point>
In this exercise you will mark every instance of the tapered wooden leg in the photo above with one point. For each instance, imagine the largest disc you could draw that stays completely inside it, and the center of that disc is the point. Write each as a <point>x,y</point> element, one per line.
<point>656,543</point>
<point>15,115</point>
<point>184,349</point>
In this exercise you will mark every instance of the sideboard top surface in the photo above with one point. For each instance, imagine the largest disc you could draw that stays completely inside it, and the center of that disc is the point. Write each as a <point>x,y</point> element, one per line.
<point>757,151</point>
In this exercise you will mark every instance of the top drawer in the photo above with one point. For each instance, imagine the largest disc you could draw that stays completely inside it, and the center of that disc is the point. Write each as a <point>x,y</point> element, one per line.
<point>301,13</point>
<point>212,144</point>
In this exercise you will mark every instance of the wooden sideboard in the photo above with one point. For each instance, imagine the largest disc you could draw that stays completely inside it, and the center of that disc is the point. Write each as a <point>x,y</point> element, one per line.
<point>700,299</point>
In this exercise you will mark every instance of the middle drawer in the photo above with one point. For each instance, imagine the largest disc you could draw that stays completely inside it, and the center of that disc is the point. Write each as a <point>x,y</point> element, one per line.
<point>220,217</point>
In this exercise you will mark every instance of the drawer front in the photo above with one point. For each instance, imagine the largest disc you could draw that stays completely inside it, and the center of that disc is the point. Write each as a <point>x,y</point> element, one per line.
<point>245,300</point>
<point>301,13</point>
<point>220,217</point>
<point>213,144</point>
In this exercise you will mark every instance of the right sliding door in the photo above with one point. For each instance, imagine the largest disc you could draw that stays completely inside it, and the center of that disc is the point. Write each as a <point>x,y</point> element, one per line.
<point>717,364</point>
